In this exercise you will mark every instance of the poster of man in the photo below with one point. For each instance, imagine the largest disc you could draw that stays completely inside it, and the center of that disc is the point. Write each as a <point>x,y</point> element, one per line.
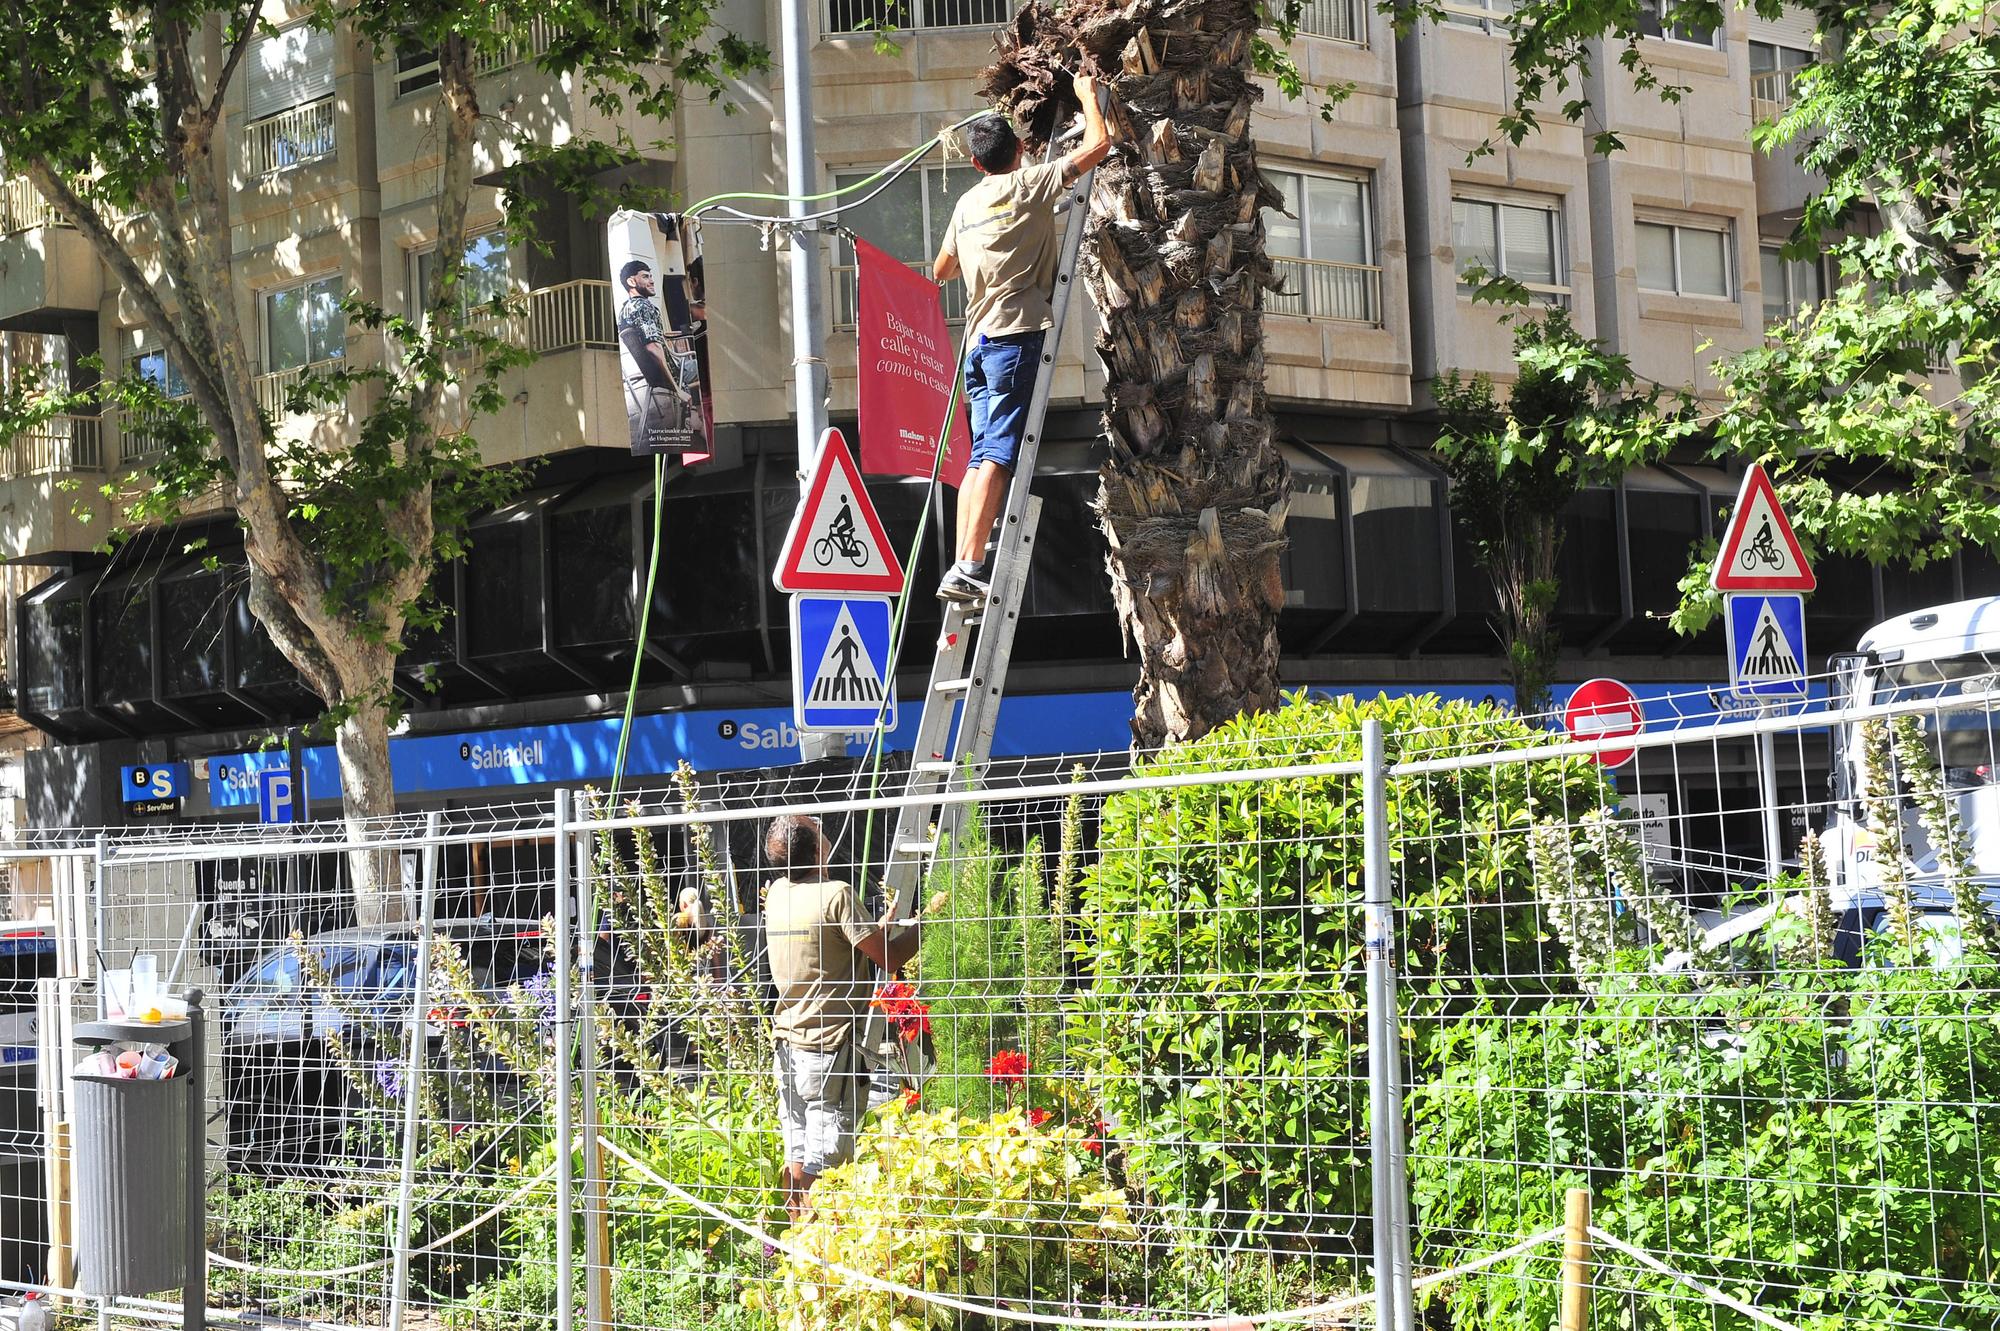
<point>662,316</point>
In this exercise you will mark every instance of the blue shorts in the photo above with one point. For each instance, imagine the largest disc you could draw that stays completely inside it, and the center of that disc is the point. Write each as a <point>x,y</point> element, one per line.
<point>999,379</point>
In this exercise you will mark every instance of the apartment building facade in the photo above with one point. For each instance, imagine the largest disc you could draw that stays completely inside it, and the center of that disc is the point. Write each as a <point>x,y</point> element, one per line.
<point>1666,250</point>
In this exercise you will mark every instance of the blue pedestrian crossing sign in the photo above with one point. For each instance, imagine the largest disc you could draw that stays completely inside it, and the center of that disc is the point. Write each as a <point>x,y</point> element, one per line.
<point>840,662</point>
<point>1767,645</point>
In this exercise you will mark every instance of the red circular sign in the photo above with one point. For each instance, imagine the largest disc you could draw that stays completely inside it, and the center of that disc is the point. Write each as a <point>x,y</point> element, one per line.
<point>1604,709</point>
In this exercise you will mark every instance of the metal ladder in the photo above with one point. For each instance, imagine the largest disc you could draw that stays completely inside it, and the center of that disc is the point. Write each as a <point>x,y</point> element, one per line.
<point>977,639</point>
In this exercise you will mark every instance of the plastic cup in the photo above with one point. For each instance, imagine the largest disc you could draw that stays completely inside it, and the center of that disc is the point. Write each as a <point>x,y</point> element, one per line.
<point>145,980</point>
<point>117,992</point>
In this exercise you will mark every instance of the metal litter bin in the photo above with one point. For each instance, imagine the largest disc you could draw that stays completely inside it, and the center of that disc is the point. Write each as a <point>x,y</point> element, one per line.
<point>137,1152</point>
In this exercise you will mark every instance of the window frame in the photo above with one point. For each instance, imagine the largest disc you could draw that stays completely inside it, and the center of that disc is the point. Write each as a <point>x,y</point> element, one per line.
<point>1493,18</point>
<point>1732,282</point>
<point>1366,180</point>
<point>842,253</point>
<point>1551,206</point>
<point>1787,267</point>
<point>1657,11</point>
<point>427,69</point>
<point>264,299</point>
<point>415,277</point>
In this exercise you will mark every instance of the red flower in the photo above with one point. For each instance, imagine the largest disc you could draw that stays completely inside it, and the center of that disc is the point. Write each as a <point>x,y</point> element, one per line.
<point>910,1098</point>
<point>906,1013</point>
<point>1037,1117</point>
<point>1095,1142</point>
<point>1008,1065</point>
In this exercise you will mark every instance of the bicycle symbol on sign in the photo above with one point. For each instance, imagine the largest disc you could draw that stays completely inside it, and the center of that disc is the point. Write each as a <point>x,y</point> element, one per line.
<point>841,541</point>
<point>1762,550</point>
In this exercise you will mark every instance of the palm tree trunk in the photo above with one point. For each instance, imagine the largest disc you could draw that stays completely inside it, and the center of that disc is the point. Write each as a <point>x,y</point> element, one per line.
<point>1192,497</point>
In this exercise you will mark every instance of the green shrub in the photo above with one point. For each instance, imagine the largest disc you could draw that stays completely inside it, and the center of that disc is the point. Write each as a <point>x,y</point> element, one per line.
<point>1817,1143</point>
<point>990,969</point>
<point>1221,942</point>
<point>977,1208</point>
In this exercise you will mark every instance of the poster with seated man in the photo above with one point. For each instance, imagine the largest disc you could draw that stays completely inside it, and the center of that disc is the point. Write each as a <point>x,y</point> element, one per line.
<point>662,321</point>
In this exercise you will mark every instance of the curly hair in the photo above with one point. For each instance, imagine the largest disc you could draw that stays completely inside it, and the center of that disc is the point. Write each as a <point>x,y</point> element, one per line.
<point>794,842</point>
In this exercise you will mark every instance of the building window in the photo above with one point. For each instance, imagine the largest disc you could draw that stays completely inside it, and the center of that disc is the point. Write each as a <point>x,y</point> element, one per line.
<point>1773,72</point>
<point>288,99</point>
<point>1683,260</point>
<point>485,276</point>
<point>1790,285</point>
<point>1520,241</point>
<point>1323,246</point>
<point>903,15</point>
<point>1653,22</point>
<point>1485,15</point>
<point>165,377</point>
<point>416,68</point>
<point>908,219</point>
<point>1339,20</point>
<point>304,325</point>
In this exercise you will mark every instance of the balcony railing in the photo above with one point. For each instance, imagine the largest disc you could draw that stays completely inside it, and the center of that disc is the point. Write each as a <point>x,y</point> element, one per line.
<point>272,389</point>
<point>60,443</point>
<point>22,207</point>
<point>524,41</point>
<point>1319,289</point>
<point>846,293</point>
<point>1772,92</point>
<point>290,138</point>
<point>1340,20</point>
<point>572,315</point>
<point>914,15</point>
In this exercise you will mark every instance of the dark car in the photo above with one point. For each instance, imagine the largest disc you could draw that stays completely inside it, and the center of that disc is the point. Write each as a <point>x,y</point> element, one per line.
<point>289,1102</point>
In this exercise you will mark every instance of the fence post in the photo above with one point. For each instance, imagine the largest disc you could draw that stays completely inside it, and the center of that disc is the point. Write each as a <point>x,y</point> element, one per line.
<point>565,1068</point>
<point>1576,1260</point>
<point>413,1073</point>
<point>596,1216</point>
<point>1387,1158</point>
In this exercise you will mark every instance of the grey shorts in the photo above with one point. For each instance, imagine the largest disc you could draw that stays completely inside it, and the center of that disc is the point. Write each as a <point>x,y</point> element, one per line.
<point>821,1098</point>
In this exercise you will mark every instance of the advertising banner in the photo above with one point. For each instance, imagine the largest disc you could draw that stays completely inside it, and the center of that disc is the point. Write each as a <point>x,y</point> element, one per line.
<point>907,369</point>
<point>661,309</point>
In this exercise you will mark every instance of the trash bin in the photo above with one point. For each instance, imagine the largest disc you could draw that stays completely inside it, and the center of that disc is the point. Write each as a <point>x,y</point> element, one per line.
<point>133,1172</point>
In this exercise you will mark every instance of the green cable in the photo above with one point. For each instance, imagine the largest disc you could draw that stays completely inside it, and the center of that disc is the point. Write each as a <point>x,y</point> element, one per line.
<point>660,464</point>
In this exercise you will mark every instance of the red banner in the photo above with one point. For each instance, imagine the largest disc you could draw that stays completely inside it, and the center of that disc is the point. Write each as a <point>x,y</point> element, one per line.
<point>907,371</point>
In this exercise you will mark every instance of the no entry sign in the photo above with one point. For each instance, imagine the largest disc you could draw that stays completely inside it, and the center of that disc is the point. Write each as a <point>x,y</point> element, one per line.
<point>1604,709</point>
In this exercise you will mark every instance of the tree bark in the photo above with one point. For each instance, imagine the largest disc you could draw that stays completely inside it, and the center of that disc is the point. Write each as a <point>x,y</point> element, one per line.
<point>1192,497</point>
<point>1525,585</point>
<point>368,803</point>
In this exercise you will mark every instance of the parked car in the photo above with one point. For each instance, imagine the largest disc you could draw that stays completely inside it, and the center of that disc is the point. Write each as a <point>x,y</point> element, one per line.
<point>287,1099</point>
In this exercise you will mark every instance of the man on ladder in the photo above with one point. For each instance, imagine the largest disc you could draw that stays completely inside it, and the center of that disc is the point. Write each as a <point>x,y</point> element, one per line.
<point>1003,239</point>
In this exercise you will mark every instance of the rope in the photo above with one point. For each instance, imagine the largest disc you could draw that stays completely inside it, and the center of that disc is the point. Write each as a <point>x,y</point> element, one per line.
<point>1707,1291</point>
<point>1219,1322</point>
<point>537,1181</point>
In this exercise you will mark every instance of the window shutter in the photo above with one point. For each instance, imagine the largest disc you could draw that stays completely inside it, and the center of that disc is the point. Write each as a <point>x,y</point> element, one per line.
<point>1530,246</point>
<point>1794,28</point>
<point>288,69</point>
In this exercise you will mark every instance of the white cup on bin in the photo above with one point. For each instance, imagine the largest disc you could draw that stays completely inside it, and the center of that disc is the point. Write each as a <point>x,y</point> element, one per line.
<point>117,991</point>
<point>145,981</point>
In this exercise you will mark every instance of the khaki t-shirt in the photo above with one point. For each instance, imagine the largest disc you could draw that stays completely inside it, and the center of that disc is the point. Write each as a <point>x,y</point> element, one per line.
<point>1004,234</point>
<point>823,983</point>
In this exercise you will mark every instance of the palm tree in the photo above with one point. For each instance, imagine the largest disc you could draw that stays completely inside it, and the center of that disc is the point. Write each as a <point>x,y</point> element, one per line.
<point>1192,497</point>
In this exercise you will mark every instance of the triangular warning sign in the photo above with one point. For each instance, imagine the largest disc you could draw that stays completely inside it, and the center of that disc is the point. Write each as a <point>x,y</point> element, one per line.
<point>1760,553</point>
<point>836,542</point>
<point>1769,658</point>
<point>847,674</point>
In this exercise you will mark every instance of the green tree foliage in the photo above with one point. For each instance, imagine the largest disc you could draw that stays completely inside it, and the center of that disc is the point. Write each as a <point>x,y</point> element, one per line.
<point>1571,420</point>
<point>1221,942</point>
<point>114,112</point>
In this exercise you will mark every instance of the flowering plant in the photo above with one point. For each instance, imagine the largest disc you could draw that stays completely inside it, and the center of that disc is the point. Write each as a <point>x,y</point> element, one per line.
<point>1008,1067</point>
<point>906,1012</point>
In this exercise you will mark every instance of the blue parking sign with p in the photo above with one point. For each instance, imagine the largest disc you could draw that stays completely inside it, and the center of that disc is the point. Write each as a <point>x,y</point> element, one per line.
<point>277,802</point>
<point>840,662</point>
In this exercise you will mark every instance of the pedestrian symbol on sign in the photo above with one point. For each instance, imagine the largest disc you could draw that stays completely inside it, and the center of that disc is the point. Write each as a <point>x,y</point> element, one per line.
<point>1767,645</point>
<point>841,652</point>
<point>840,680</point>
